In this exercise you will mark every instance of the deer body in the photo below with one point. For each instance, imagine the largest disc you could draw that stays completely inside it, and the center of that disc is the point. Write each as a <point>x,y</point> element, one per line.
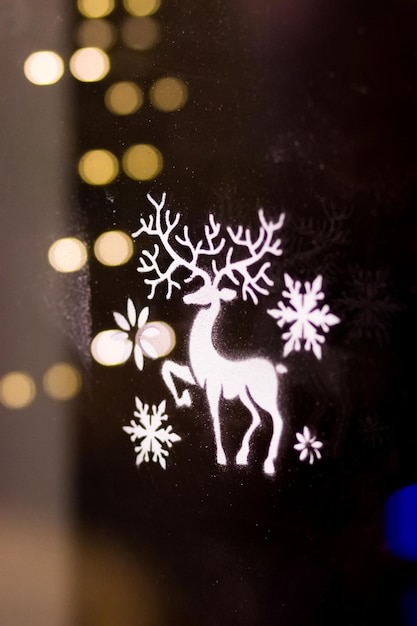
<point>253,381</point>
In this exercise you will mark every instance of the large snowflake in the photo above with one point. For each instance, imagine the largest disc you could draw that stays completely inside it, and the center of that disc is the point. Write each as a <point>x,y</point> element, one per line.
<point>154,438</point>
<point>304,316</point>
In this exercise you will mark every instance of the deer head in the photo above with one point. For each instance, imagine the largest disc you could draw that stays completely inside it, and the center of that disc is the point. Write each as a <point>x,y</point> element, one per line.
<point>208,294</point>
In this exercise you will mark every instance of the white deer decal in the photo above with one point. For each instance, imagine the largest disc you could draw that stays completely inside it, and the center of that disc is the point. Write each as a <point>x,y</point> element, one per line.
<point>253,381</point>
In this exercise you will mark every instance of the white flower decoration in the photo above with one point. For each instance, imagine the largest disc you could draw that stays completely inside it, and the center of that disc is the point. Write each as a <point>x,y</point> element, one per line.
<point>140,345</point>
<point>308,446</point>
<point>134,334</point>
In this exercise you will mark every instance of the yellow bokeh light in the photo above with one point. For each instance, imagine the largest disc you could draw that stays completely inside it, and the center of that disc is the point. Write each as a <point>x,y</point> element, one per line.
<point>17,390</point>
<point>95,8</point>
<point>110,347</point>
<point>141,7</point>
<point>140,33</point>
<point>123,98</point>
<point>142,162</point>
<point>98,167</point>
<point>96,33</point>
<point>162,338</point>
<point>113,248</point>
<point>168,94</point>
<point>67,255</point>
<point>44,67</point>
<point>89,64</point>
<point>62,381</point>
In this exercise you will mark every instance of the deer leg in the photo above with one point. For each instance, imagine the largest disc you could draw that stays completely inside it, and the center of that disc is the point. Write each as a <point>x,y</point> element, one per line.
<point>269,465</point>
<point>183,372</point>
<point>213,396</point>
<point>242,455</point>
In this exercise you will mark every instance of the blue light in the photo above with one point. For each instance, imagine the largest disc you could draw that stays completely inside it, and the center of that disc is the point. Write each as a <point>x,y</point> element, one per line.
<point>401,523</point>
<point>409,607</point>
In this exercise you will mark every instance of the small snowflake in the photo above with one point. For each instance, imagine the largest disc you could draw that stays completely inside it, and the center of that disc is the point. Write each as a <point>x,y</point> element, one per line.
<point>308,446</point>
<point>141,343</point>
<point>154,439</point>
<point>303,315</point>
<point>372,430</point>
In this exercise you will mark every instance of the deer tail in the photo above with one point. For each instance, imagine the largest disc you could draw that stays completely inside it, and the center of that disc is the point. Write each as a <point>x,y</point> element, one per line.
<point>281,369</point>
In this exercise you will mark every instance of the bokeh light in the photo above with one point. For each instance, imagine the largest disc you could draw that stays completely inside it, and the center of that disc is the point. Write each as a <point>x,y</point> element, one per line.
<point>111,347</point>
<point>401,523</point>
<point>160,336</point>
<point>140,33</point>
<point>113,248</point>
<point>62,381</point>
<point>168,94</point>
<point>123,98</point>
<point>97,34</point>
<point>141,7</point>
<point>67,255</point>
<point>95,8</point>
<point>89,64</point>
<point>17,390</point>
<point>142,162</point>
<point>98,167</point>
<point>44,67</point>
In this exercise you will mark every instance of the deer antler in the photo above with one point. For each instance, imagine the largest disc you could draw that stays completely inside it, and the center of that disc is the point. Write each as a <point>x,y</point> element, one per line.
<point>162,226</point>
<point>257,247</point>
<point>251,269</point>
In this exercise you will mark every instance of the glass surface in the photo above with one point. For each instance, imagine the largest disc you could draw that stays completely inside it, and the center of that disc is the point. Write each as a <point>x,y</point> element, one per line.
<point>296,121</point>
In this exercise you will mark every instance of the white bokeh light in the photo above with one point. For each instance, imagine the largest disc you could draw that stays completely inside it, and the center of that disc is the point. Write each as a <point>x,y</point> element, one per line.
<point>110,347</point>
<point>89,64</point>
<point>43,67</point>
<point>67,255</point>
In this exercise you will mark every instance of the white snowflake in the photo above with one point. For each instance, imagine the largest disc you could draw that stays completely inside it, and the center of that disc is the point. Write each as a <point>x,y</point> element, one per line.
<point>303,315</point>
<point>308,446</point>
<point>154,439</point>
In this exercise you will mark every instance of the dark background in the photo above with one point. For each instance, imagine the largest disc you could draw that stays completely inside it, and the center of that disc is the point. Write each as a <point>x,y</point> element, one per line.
<point>304,107</point>
<point>308,108</point>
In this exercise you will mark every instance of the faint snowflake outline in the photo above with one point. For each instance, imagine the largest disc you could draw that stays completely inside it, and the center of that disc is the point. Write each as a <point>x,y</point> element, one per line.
<point>369,304</point>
